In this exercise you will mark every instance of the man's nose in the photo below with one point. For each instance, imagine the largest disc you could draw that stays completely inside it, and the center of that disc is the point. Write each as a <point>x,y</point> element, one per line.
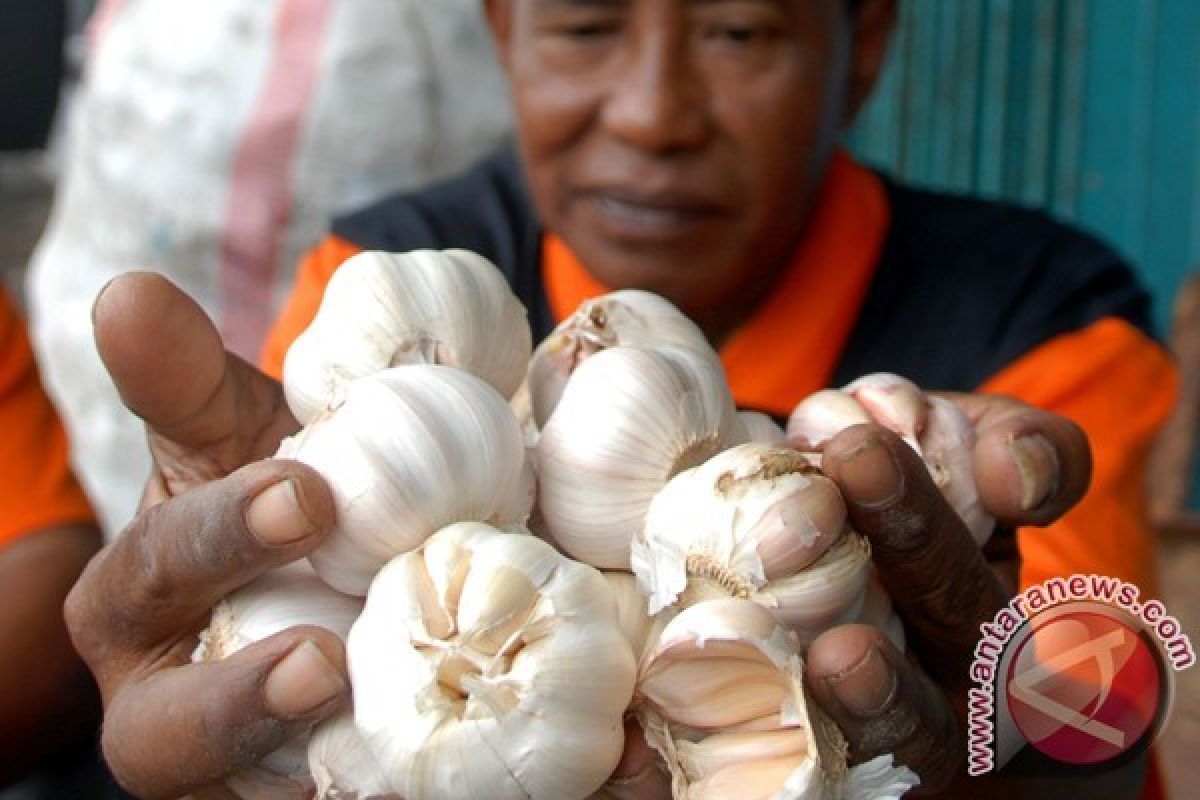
<point>658,102</point>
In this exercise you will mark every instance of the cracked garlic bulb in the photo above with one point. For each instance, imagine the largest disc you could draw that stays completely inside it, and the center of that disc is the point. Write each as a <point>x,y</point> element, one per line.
<point>625,317</point>
<point>380,310</point>
<point>723,701</point>
<point>630,419</point>
<point>486,665</point>
<point>409,451</point>
<point>760,522</point>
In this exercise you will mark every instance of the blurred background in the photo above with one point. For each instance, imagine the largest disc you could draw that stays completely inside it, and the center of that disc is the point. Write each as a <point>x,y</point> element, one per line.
<point>1087,108</point>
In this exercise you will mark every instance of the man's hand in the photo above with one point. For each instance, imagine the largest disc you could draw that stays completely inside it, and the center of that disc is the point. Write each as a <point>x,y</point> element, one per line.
<point>1031,468</point>
<point>209,524</point>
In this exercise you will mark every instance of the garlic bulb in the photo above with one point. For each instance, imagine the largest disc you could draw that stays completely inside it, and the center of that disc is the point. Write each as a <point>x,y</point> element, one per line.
<point>630,418</point>
<point>724,703</point>
<point>381,310</point>
<point>749,514</point>
<point>289,596</point>
<point>759,522</point>
<point>409,451</point>
<point>759,427</point>
<point>625,317</point>
<point>936,428</point>
<point>487,665</point>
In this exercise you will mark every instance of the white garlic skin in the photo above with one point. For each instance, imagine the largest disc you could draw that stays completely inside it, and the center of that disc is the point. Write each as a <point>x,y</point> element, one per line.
<point>759,427</point>
<point>629,420</point>
<point>381,310</point>
<point>625,317</point>
<point>749,515</point>
<point>487,665</point>
<point>283,598</point>
<point>409,451</point>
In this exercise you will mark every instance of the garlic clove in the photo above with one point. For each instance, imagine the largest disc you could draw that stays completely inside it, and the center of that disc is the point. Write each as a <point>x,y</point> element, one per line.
<point>635,622</point>
<point>821,416</point>
<point>629,317</point>
<point>948,447</point>
<point>451,450</point>
<point>894,402</point>
<point>716,664</point>
<point>827,593</point>
<point>379,310</point>
<point>749,515</point>
<point>524,694</point>
<point>629,420</point>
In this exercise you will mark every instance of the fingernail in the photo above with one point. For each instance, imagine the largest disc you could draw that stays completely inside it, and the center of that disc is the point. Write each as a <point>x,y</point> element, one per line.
<point>302,681</point>
<point>867,688</point>
<point>99,294</point>
<point>1037,465</point>
<point>870,476</point>
<point>275,516</point>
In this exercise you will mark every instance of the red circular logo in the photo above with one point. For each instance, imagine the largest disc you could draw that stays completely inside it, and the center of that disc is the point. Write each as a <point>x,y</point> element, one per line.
<point>1084,687</point>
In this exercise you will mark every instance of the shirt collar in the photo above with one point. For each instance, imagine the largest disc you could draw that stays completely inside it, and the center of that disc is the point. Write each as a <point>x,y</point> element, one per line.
<point>790,345</point>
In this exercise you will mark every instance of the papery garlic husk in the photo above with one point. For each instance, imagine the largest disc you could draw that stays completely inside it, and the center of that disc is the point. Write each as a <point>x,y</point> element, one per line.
<point>629,420</point>
<point>748,516</point>
<point>381,310</point>
<point>724,702</point>
<point>626,317</point>
<point>759,427</point>
<point>284,598</point>
<point>488,665</point>
<point>409,451</point>
<point>343,766</point>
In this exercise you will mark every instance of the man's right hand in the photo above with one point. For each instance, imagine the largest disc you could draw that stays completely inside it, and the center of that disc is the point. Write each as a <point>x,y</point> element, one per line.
<point>214,516</point>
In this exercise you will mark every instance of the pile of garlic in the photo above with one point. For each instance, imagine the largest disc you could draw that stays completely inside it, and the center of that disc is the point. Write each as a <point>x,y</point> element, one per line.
<point>488,664</point>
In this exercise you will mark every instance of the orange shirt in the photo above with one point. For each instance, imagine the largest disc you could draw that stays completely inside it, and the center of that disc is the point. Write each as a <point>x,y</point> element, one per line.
<point>37,488</point>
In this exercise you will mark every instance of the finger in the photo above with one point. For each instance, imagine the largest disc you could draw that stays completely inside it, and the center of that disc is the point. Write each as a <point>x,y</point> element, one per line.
<point>175,561</point>
<point>171,369</point>
<point>884,704</point>
<point>937,577</point>
<point>640,774</point>
<point>1031,466</point>
<point>170,733</point>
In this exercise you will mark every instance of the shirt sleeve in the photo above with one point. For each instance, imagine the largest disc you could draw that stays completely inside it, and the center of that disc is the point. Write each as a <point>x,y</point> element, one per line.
<point>312,276</point>
<point>37,488</point>
<point>1119,386</point>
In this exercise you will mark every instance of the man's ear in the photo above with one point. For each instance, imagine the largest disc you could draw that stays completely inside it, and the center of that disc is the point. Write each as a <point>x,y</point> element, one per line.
<point>499,20</point>
<point>871,29</point>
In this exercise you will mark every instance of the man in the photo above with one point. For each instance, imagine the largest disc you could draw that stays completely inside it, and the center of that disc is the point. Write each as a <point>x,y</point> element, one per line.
<point>688,147</point>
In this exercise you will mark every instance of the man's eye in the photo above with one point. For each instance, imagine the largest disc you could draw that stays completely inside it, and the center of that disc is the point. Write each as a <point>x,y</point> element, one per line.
<point>742,34</point>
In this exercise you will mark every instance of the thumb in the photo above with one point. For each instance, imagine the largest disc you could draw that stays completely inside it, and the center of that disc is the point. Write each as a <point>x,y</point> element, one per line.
<point>207,411</point>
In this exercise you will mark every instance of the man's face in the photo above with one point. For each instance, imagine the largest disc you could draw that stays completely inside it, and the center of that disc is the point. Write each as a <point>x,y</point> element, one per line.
<point>675,145</point>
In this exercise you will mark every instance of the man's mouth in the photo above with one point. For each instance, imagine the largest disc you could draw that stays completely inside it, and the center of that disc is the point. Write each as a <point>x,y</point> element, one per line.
<point>650,215</point>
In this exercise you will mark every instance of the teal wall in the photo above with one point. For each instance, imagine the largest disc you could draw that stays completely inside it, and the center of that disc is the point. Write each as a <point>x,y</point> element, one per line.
<point>1088,108</point>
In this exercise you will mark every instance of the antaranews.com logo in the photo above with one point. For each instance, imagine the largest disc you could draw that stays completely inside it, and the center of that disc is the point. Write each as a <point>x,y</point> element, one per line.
<point>1079,668</point>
